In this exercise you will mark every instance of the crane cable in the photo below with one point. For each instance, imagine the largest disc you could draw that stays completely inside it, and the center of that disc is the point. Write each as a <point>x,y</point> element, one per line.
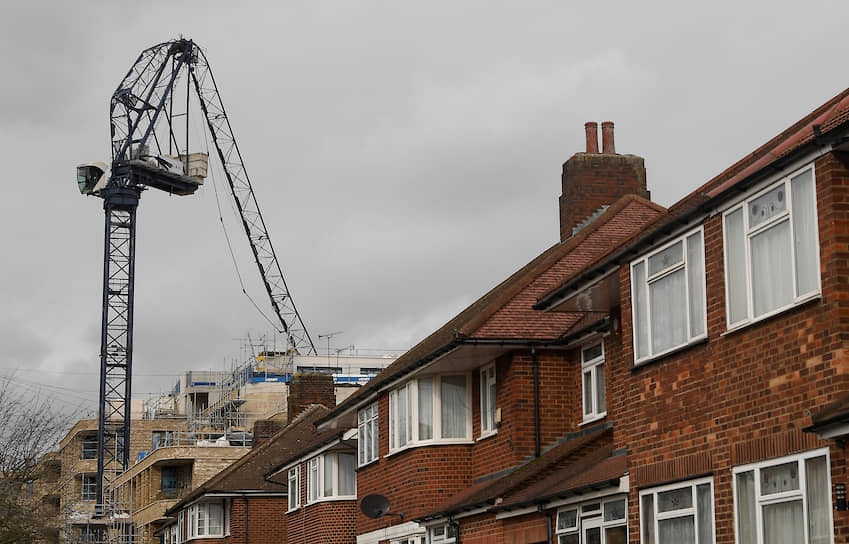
<point>211,172</point>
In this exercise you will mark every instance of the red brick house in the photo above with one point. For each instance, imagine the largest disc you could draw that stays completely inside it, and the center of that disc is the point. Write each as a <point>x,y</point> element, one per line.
<point>321,480</point>
<point>657,376</point>
<point>240,504</point>
<point>492,400</point>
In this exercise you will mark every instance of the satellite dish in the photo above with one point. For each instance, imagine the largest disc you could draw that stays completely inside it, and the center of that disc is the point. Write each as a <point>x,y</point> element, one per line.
<point>374,506</point>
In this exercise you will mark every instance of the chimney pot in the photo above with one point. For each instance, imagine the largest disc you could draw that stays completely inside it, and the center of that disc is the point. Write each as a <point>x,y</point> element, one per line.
<point>592,136</point>
<point>607,145</point>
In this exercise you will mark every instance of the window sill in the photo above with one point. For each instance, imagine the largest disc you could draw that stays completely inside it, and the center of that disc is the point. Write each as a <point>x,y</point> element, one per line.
<point>332,499</point>
<point>815,297</point>
<point>373,461</point>
<point>198,537</point>
<point>669,353</point>
<point>486,435</point>
<point>593,419</point>
<point>459,441</point>
<point>295,509</point>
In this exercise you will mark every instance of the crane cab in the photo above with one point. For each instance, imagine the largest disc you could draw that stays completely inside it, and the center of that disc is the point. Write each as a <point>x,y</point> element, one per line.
<point>92,177</point>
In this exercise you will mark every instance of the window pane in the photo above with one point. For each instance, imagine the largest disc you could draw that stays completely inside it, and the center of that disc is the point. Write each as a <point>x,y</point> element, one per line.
<point>393,428</point>
<point>402,416</point>
<point>592,352</point>
<point>453,406</point>
<point>783,523</point>
<point>667,258</point>
<point>615,535</point>
<point>769,205</point>
<point>805,232</point>
<point>735,263</point>
<point>647,514</point>
<point>668,311</point>
<point>372,442</point>
<point>588,393</point>
<point>704,513</point>
<point>677,531</point>
<point>641,326</point>
<point>484,402</point>
<point>592,536</point>
<point>216,519</point>
<point>819,496</point>
<point>779,478</point>
<point>746,515</point>
<point>676,499</point>
<point>695,275</point>
<point>201,518</point>
<point>601,390</point>
<point>492,401</point>
<point>425,408</point>
<point>347,475</point>
<point>569,539</point>
<point>329,470</point>
<point>772,275</point>
<point>567,519</point>
<point>614,510</point>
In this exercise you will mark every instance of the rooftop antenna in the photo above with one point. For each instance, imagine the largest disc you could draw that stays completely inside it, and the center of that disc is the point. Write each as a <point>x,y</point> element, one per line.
<point>329,336</point>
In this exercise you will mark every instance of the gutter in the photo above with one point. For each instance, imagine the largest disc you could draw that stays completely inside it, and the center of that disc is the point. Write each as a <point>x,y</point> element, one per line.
<point>547,301</point>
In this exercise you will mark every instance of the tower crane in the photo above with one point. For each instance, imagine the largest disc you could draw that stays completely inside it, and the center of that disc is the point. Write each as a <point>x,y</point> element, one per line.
<point>150,129</point>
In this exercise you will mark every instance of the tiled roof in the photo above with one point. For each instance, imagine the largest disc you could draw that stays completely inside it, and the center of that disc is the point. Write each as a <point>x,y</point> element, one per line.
<point>248,472</point>
<point>828,119</point>
<point>565,456</point>
<point>505,312</point>
<point>597,469</point>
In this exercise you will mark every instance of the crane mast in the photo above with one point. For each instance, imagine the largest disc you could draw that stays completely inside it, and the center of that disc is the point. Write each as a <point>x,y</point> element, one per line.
<point>145,133</point>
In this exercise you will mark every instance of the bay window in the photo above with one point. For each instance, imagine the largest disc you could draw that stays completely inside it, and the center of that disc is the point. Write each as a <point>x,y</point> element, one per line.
<point>206,519</point>
<point>487,386</point>
<point>431,409</point>
<point>443,534</point>
<point>294,487</point>
<point>668,296</point>
<point>367,437</point>
<point>680,513</point>
<point>332,476</point>
<point>772,249</point>
<point>594,390</point>
<point>785,500</point>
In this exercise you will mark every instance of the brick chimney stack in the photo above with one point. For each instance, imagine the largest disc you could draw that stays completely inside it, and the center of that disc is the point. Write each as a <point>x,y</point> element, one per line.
<point>307,389</point>
<point>592,180</point>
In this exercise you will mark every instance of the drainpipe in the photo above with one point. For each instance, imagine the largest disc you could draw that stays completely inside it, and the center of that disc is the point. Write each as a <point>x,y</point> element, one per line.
<point>536,401</point>
<point>456,529</point>
<point>245,498</point>
<point>549,523</point>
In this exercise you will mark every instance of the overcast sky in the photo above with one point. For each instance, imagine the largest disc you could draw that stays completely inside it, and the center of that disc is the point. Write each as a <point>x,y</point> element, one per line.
<point>406,156</point>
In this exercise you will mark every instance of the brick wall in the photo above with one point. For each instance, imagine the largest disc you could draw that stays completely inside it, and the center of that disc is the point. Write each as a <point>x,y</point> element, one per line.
<point>330,522</point>
<point>307,389</point>
<point>743,396</point>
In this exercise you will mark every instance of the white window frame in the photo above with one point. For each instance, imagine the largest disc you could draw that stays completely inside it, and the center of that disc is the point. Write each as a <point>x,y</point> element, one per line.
<point>748,233</point>
<point>294,487</point>
<point>412,414</point>
<point>488,395</point>
<point>645,284</point>
<point>92,493</point>
<point>594,516</point>
<point>439,534</point>
<point>692,511</point>
<point>199,526</point>
<point>368,443</point>
<point>181,526</point>
<point>316,485</point>
<point>591,367</point>
<point>786,496</point>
